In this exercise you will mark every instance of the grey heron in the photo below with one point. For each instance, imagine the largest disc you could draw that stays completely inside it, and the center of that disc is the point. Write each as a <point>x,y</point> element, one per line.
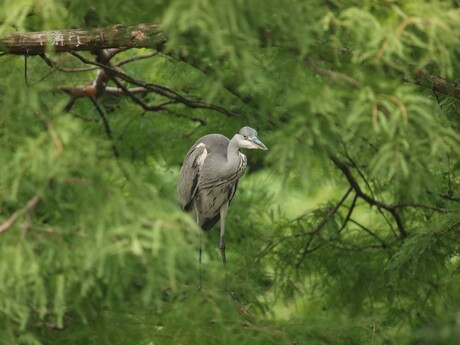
<point>209,177</point>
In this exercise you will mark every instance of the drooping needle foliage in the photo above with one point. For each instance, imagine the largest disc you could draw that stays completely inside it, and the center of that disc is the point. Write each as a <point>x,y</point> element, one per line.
<point>345,232</point>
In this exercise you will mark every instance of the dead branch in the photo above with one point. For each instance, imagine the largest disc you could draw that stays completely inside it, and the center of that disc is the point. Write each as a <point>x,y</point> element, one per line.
<point>424,78</point>
<point>30,205</point>
<point>117,36</point>
<point>158,89</point>
<point>118,91</point>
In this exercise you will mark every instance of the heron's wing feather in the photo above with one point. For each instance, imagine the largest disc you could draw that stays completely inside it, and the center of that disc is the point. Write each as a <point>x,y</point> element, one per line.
<point>189,174</point>
<point>209,223</point>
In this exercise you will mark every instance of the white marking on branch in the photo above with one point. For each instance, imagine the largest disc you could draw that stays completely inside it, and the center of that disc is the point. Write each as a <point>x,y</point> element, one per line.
<point>78,39</point>
<point>58,38</point>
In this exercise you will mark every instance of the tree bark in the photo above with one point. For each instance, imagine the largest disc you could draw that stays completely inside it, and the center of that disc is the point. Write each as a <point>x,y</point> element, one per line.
<point>34,43</point>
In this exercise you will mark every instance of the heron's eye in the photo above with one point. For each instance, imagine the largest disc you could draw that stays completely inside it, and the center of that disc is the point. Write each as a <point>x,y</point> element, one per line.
<point>245,136</point>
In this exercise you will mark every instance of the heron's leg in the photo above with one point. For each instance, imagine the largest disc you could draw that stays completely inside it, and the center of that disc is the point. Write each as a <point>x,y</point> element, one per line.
<point>223,215</point>
<point>199,258</point>
<point>200,246</point>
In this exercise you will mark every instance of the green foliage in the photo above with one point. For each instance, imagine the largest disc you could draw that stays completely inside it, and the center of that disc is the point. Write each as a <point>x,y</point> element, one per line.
<point>345,232</point>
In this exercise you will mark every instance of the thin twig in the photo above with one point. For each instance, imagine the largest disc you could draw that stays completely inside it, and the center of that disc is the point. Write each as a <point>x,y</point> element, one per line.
<point>108,130</point>
<point>330,213</point>
<point>136,58</point>
<point>379,210</point>
<point>384,244</point>
<point>137,100</point>
<point>445,196</point>
<point>304,252</point>
<point>355,185</point>
<point>328,216</point>
<point>427,207</point>
<point>26,79</point>
<point>449,229</point>
<point>332,74</point>
<point>209,72</point>
<point>350,211</point>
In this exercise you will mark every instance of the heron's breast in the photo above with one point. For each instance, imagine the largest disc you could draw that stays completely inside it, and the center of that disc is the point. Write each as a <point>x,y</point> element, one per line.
<point>210,200</point>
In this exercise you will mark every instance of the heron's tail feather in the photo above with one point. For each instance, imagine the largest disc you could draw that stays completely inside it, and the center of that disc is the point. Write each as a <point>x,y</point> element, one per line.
<point>209,223</point>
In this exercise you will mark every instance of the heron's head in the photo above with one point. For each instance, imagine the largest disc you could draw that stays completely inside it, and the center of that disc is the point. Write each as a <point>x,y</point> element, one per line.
<point>247,138</point>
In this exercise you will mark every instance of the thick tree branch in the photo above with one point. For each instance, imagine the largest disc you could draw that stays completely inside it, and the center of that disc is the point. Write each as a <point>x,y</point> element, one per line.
<point>426,79</point>
<point>34,43</point>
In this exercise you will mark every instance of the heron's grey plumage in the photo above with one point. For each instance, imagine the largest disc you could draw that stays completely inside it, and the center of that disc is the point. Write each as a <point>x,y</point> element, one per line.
<point>210,173</point>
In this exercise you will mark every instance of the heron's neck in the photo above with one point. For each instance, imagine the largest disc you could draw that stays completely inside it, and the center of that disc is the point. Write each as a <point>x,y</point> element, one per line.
<point>233,151</point>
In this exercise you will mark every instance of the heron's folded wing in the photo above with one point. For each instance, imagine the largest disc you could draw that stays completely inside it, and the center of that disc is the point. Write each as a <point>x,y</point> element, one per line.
<point>189,174</point>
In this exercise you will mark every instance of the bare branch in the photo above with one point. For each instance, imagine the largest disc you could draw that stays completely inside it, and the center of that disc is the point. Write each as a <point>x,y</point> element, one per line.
<point>209,72</point>
<point>368,185</point>
<point>9,222</point>
<point>136,58</point>
<point>383,243</point>
<point>76,70</point>
<point>332,74</point>
<point>33,43</point>
<point>195,119</point>
<point>370,200</point>
<point>445,196</point>
<point>424,78</point>
<point>330,213</point>
<point>449,229</point>
<point>161,90</point>
<point>118,91</point>
<point>30,205</point>
<point>108,130</point>
<point>79,91</point>
<point>427,207</point>
<point>328,216</point>
<point>350,212</point>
